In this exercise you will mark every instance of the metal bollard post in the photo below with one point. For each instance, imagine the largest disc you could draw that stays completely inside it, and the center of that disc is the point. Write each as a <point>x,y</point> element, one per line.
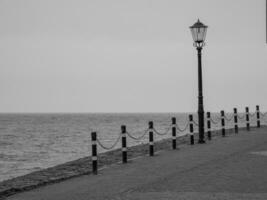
<point>235,120</point>
<point>173,133</point>
<point>258,116</point>
<point>223,123</point>
<point>191,129</point>
<point>247,118</point>
<point>208,125</point>
<point>94,152</point>
<point>151,139</point>
<point>123,144</point>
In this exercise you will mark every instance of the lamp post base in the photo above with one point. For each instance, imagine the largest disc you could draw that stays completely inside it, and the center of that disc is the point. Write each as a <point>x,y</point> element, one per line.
<point>201,142</point>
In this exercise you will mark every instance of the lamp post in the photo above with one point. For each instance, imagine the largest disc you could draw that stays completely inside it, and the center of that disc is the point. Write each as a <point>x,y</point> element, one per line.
<point>199,31</point>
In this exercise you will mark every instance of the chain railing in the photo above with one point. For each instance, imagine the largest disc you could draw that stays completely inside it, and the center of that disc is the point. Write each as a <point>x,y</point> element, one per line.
<point>216,122</point>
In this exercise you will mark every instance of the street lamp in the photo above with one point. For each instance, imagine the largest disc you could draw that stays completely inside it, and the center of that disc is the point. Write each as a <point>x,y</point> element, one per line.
<point>199,31</point>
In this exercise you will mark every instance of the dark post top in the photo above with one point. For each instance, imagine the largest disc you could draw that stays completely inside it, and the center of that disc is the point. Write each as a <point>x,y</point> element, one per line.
<point>150,125</point>
<point>222,113</point>
<point>257,107</point>
<point>247,109</point>
<point>208,114</point>
<point>190,117</point>
<point>173,120</point>
<point>93,136</point>
<point>235,110</point>
<point>123,129</point>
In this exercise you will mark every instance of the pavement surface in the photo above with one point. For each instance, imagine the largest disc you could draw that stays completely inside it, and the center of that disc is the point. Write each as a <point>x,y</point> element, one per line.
<point>234,167</point>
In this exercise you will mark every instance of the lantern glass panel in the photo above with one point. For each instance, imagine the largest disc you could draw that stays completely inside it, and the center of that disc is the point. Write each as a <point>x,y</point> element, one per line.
<point>199,33</point>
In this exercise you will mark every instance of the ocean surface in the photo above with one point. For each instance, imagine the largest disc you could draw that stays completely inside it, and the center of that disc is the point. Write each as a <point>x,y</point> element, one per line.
<point>30,142</point>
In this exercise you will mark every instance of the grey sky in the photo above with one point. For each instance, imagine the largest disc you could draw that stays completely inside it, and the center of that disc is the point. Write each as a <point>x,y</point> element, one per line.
<point>130,56</point>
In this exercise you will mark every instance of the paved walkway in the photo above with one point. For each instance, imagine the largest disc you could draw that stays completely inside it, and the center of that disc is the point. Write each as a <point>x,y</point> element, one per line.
<point>234,167</point>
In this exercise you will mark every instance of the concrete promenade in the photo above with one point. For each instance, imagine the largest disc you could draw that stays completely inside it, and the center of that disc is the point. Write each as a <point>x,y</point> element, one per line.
<point>234,167</point>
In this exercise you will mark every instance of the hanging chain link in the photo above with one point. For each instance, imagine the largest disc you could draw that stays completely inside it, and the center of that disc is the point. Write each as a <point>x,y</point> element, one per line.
<point>230,118</point>
<point>239,117</point>
<point>252,115</point>
<point>263,114</point>
<point>112,146</point>
<point>264,120</point>
<point>137,138</point>
<point>195,122</point>
<point>164,133</point>
<point>182,129</point>
<point>215,122</point>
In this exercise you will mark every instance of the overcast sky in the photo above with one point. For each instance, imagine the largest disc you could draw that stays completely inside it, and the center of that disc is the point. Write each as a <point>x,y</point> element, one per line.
<point>130,56</point>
